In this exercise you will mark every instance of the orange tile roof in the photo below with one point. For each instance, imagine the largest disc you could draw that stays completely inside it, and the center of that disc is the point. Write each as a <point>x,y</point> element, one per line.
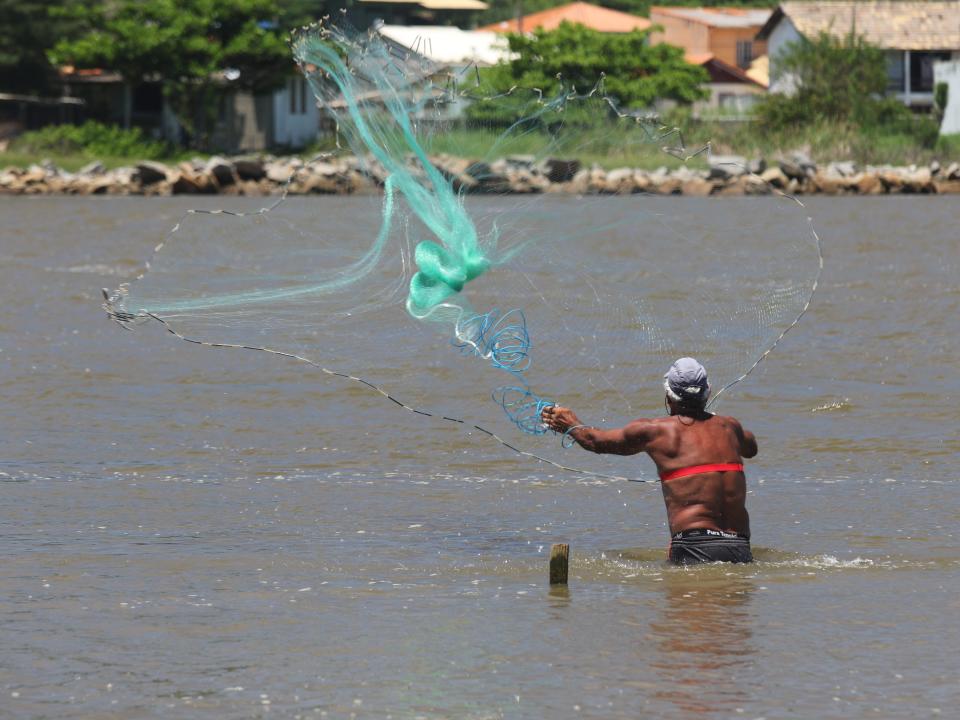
<point>705,59</point>
<point>592,16</point>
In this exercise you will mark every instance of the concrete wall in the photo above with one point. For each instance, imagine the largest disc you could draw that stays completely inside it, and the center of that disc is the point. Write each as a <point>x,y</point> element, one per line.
<point>949,73</point>
<point>723,43</point>
<point>728,99</point>
<point>692,36</point>
<point>287,117</point>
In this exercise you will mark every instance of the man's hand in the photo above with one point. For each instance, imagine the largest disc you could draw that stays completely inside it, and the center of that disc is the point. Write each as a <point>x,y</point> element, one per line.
<point>559,418</point>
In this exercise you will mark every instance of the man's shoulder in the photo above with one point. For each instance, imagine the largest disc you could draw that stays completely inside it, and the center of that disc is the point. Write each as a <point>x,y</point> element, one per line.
<point>728,423</point>
<point>726,419</point>
<point>652,427</point>
<point>656,422</point>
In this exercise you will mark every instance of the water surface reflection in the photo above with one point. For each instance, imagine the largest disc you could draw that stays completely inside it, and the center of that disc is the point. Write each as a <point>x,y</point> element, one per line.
<point>704,640</point>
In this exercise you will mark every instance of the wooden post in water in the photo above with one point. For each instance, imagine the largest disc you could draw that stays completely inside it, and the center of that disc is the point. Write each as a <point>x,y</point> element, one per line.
<point>559,560</point>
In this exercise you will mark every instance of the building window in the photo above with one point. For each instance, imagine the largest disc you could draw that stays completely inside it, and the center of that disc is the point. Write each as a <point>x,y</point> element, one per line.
<point>744,53</point>
<point>895,74</point>
<point>299,91</point>
<point>921,69</point>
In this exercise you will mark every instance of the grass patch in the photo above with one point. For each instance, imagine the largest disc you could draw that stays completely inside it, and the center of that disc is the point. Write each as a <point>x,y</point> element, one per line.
<point>825,142</point>
<point>72,146</point>
<point>73,162</point>
<point>609,148</point>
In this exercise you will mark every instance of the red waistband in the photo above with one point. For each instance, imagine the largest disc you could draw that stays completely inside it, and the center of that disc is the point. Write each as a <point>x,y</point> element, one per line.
<point>700,469</point>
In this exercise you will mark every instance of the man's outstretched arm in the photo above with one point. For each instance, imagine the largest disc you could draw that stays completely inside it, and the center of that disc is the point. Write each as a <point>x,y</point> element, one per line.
<point>628,440</point>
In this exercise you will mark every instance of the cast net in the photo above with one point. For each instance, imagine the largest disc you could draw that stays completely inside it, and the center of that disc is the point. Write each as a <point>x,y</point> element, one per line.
<point>466,290</point>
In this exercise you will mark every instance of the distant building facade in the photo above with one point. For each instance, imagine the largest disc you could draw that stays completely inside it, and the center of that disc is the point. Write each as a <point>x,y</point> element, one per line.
<point>915,36</point>
<point>728,34</point>
<point>723,42</point>
<point>733,91</point>
<point>286,118</point>
<point>948,73</point>
<point>449,46</point>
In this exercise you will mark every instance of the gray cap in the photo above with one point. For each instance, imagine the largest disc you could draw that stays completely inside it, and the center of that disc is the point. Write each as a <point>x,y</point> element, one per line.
<point>686,382</point>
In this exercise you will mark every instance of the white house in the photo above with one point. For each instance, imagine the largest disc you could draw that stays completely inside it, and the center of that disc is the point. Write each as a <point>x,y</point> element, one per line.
<point>948,73</point>
<point>915,35</point>
<point>286,117</point>
<point>449,46</point>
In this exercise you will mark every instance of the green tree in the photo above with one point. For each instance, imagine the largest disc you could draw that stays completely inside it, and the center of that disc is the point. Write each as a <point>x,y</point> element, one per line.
<point>302,12</point>
<point>839,81</point>
<point>195,48</point>
<point>635,74</point>
<point>28,28</point>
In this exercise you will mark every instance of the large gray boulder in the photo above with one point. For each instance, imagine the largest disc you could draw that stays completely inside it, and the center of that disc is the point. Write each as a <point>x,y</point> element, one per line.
<point>92,169</point>
<point>558,170</point>
<point>726,167</point>
<point>775,177</point>
<point>250,168</point>
<point>844,169</point>
<point>456,170</point>
<point>280,171</point>
<point>620,181</point>
<point>149,172</point>
<point>221,169</point>
<point>798,166</point>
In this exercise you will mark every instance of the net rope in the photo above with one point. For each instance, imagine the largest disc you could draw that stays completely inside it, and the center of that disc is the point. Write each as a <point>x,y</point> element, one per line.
<point>434,246</point>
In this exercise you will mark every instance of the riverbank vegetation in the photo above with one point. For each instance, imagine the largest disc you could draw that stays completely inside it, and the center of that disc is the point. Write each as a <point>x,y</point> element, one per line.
<point>72,146</point>
<point>837,110</point>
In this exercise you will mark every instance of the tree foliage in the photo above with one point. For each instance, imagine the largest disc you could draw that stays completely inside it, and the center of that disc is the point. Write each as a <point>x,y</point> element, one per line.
<point>635,74</point>
<point>830,78</point>
<point>195,48</point>
<point>91,139</point>
<point>28,28</point>
<point>838,80</point>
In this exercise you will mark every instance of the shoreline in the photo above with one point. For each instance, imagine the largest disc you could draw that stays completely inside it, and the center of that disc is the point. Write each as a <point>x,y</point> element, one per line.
<point>267,176</point>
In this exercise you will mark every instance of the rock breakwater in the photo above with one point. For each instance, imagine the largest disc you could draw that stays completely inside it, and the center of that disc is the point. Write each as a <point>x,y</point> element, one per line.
<point>725,175</point>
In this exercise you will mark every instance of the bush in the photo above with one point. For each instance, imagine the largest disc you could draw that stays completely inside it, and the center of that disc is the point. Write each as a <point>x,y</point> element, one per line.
<point>892,117</point>
<point>941,95</point>
<point>834,79</point>
<point>93,139</point>
<point>842,82</point>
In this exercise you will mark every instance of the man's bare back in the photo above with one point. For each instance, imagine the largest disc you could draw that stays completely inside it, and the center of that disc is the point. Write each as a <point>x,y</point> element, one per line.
<point>703,501</point>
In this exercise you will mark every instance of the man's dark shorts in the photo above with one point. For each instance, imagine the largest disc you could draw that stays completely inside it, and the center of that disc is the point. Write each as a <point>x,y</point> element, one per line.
<point>691,547</point>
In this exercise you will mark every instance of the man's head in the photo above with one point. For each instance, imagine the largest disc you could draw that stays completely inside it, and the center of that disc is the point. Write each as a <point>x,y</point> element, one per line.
<point>686,385</point>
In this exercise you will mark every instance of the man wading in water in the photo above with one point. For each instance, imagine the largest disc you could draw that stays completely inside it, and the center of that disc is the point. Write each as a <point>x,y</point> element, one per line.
<point>699,460</point>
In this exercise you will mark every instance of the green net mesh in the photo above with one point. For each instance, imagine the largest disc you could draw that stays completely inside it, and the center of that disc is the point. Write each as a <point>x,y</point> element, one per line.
<point>468,290</point>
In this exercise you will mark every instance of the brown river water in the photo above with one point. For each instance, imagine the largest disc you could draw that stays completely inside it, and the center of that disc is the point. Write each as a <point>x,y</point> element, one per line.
<point>189,533</point>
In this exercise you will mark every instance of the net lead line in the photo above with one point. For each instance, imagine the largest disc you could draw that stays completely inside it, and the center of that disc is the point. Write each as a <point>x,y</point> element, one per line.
<point>352,378</point>
<point>806,306</point>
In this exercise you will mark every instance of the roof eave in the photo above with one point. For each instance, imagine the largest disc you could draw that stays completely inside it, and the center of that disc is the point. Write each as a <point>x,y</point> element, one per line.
<point>771,23</point>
